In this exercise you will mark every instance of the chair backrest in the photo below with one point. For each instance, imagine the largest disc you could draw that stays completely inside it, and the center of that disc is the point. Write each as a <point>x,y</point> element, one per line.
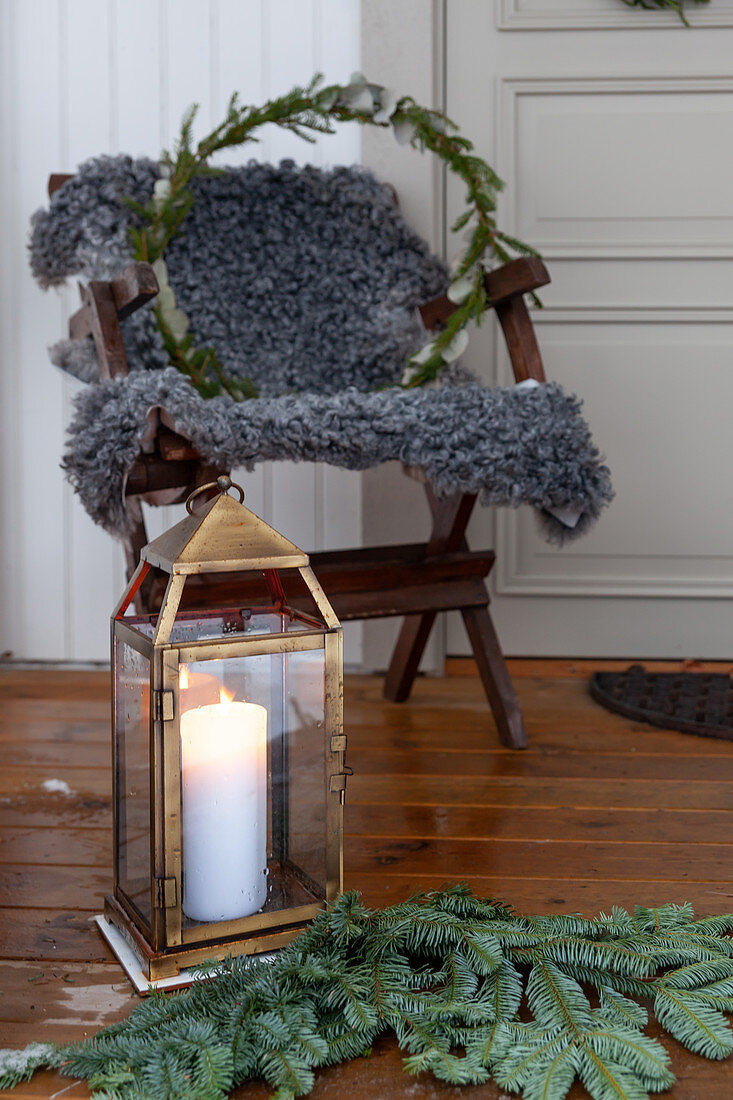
<point>304,280</point>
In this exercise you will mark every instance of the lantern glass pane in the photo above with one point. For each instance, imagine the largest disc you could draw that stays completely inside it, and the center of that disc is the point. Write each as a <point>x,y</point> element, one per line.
<point>132,786</point>
<point>305,841</point>
<point>253,785</point>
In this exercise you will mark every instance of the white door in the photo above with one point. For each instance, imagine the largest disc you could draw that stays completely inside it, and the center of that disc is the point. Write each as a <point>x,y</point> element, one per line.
<point>613,128</point>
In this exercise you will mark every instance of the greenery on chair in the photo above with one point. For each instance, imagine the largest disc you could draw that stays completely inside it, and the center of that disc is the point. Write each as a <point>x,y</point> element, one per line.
<point>472,990</point>
<point>674,5</point>
<point>307,111</point>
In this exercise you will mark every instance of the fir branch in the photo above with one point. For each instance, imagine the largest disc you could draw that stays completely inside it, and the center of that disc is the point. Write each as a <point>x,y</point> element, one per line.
<point>445,971</point>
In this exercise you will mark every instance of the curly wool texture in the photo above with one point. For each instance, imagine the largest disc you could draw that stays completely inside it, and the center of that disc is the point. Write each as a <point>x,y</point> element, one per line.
<point>305,281</point>
<point>511,447</point>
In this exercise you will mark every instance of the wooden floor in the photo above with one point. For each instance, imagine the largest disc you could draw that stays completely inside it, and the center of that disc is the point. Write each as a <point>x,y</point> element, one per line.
<point>598,811</point>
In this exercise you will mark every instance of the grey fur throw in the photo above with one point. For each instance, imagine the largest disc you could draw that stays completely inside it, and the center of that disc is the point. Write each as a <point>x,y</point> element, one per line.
<point>303,280</point>
<point>307,282</point>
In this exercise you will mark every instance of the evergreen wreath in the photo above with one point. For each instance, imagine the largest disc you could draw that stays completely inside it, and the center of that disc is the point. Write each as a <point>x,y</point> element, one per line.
<point>471,989</point>
<point>673,5</point>
<point>305,111</point>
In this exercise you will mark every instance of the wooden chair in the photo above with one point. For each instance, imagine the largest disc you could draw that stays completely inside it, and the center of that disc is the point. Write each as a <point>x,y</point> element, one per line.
<point>415,580</point>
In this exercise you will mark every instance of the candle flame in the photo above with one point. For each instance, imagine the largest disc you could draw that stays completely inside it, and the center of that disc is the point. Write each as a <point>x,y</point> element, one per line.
<point>183,678</point>
<point>225,699</point>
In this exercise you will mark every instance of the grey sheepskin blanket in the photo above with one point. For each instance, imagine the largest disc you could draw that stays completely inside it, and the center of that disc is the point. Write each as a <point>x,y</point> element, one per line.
<point>307,282</point>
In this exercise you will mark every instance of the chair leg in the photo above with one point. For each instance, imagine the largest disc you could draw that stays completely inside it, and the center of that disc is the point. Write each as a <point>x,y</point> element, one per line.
<point>413,638</point>
<point>450,519</point>
<point>495,677</point>
<point>133,544</point>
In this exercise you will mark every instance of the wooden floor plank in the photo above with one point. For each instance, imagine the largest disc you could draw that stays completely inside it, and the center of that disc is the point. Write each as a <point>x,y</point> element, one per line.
<point>581,668</point>
<point>72,731</point>
<point>46,757</point>
<point>547,765</point>
<point>367,743</point>
<point>42,810</point>
<point>435,732</point>
<point>624,826</point>
<point>56,887</point>
<point>18,780</point>
<point>45,1085</point>
<point>576,860</point>
<point>72,847</point>
<point>465,790</point>
<point>52,934</point>
<point>82,687</point>
<point>549,894</point>
<point>598,811</point>
<point>62,751</point>
<point>65,995</point>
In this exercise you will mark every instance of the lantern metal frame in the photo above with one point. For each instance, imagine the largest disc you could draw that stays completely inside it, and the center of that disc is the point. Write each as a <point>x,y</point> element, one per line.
<point>223,536</point>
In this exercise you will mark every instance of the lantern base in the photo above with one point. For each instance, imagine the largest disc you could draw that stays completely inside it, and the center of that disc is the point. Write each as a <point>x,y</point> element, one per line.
<point>171,968</point>
<point>133,966</point>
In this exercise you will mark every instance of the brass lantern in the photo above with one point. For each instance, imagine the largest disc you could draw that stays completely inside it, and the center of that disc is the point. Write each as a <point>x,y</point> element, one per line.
<point>228,746</point>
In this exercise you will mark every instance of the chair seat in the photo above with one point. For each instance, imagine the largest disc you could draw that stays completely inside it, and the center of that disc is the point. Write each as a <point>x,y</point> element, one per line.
<point>508,445</point>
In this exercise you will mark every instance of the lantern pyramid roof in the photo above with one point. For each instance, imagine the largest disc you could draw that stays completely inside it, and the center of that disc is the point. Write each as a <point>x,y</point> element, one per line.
<point>222,536</point>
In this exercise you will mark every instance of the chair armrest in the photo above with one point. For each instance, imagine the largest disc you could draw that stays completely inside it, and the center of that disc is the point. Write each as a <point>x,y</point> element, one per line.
<point>56,180</point>
<point>104,305</point>
<point>505,289</point>
<point>135,285</point>
<point>512,279</point>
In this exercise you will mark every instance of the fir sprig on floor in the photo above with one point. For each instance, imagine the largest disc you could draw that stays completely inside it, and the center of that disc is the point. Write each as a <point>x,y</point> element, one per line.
<point>471,989</point>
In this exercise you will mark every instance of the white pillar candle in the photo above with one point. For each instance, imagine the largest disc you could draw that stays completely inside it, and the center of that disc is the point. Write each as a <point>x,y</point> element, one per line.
<point>224,810</point>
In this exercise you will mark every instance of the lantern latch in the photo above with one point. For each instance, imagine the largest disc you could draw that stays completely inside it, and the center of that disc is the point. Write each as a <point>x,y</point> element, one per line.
<point>337,782</point>
<point>165,893</point>
<point>163,703</point>
<point>338,742</point>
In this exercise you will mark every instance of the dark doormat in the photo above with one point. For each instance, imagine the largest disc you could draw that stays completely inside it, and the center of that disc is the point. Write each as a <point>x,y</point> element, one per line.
<point>692,702</point>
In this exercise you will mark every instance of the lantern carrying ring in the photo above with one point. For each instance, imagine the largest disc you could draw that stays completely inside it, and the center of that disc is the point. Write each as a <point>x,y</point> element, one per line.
<point>223,484</point>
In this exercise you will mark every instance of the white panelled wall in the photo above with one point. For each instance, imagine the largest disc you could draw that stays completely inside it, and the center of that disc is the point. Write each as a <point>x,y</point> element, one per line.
<point>85,77</point>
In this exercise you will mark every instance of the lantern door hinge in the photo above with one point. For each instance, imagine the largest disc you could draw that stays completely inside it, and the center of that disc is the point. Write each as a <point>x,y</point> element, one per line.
<point>337,782</point>
<point>338,742</point>
<point>165,893</point>
<point>163,704</point>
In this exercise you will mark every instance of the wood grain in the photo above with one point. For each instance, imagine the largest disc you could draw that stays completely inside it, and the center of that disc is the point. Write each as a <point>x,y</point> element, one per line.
<point>620,825</point>
<point>537,791</point>
<point>82,847</point>
<point>576,860</point>
<point>597,766</point>
<point>598,811</point>
<point>549,893</point>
